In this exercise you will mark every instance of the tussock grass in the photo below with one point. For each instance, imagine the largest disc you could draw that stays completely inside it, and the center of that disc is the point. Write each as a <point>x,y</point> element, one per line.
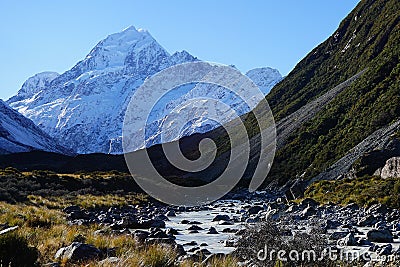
<point>365,190</point>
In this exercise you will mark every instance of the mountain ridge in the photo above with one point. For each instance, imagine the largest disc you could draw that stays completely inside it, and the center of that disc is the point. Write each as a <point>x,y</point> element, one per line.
<point>68,107</point>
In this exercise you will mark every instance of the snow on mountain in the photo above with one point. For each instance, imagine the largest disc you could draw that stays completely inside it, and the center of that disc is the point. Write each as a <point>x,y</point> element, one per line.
<point>265,78</point>
<point>84,107</point>
<point>19,134</point>
<point>35,84</point>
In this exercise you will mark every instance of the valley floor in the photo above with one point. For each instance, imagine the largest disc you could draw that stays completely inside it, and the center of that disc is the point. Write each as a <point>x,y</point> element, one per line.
<point>87,219</point>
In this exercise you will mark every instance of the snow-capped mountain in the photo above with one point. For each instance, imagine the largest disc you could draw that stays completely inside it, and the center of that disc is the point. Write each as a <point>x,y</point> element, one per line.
<point>19,134</point>
<point>84,107</point>
<point>265,78</point>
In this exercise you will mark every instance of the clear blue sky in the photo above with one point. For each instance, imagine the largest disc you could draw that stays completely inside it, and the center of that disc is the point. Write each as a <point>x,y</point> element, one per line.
<point>41,35</point>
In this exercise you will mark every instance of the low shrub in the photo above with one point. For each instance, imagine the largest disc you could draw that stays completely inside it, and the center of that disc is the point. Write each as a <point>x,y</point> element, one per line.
<point>15,252</point>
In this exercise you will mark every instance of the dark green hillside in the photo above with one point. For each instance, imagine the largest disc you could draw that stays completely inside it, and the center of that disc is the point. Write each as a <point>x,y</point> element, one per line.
<point>369,37</point>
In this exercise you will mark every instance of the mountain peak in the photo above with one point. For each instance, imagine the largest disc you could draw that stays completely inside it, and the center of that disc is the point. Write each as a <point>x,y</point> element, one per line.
<point>116,48</point>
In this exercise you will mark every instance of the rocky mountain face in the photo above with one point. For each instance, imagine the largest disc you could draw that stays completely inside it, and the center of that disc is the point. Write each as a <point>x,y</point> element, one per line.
<point>19,134</point>
<point>84,107</point>
<point>391,168</point>
<point>362,56</point>
<point>341,102</point>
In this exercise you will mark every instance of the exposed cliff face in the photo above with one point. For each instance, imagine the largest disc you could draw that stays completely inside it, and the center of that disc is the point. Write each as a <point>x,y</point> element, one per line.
<point>391,168</point>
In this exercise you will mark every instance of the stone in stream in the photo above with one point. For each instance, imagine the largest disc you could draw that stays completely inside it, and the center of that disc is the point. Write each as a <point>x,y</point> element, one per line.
<point>191,243</point>
<point>193,232</point>
<point>377,209</point>
<point>170,213</point>
<point>194,222</point>
<point>212,231</point>
<point>220,217</point>
<point>225,223</point>
<point>158,233</point>
<point>160,217</point>
<point>229,230</point>
<point>254,210</point>
<point>331,224</point>
<point>252,220</point>
<point>349,240</point>
<point>172,231</point>
<point>385,250</point>
<point>338,235</point>
<point>352,207</point>
<point>368,221</point>
<point>203,245</point>
<point>77,252</point>
<point>195,227</point>
<point>229,243</point>
<point>373,248</point>
<point>380,236</point>
<point>202,253</point>
<point>193,249</point>
<point>309,202</point>
<point>307,212</point>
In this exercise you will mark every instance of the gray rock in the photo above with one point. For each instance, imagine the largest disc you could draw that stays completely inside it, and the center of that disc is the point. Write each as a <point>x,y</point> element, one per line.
<point>225,223</point>
<point>220,217</point>
<point>254,210</point>
<point>229,243</point>
<point>391,168</point>
<point>380,236</point>
<point>202,253</point>
<point>212,231</point>
<point>307,212</point>
<point>77,252</point>
<point>331,224</point>
<point>195,227</point>
<point>349,240</point>
<point>338,235</point>
<point>171,213</point>
<point>369,221</point>
<point>140,235</point>
<point>191,243</point>
<point>70,209</point>
<point>385,250</point>
<point>309,202</point>
<point>172,231</point>
<point>377,209</point>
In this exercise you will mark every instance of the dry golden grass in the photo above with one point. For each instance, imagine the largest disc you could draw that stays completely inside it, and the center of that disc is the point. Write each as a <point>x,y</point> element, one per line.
<point>88,201</point>
<point>46,229</point>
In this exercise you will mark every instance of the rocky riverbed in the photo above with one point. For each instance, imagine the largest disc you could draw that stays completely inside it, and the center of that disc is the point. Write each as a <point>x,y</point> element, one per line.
<point>199,233</point>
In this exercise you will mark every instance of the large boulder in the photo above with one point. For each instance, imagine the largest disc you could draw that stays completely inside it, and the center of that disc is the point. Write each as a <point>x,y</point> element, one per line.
<point>221,217</point>
<point>77,252</point>
<point>391,168</point>
<point>254,209</point>
<point>380,236</point>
